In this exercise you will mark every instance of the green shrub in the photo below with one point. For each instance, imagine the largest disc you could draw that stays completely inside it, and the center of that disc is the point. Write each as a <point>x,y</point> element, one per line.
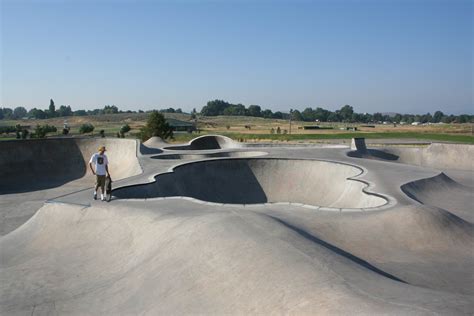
<point>86,128</point>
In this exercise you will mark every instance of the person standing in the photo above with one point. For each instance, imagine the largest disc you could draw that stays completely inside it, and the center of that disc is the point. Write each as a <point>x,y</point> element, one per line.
<point>100,171</point>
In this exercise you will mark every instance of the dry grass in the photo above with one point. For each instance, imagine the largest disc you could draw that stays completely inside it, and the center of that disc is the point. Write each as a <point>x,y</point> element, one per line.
<point>238,127</point>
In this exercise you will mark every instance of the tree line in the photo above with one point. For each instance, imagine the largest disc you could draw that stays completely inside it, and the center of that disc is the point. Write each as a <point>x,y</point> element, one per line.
<point>344,114</point>
<point>220,107</point>
<point>51,112</point>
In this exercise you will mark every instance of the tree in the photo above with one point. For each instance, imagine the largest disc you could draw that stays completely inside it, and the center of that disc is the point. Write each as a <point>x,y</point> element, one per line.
<point>86,128</point>
<point>124,129</point>
<point>7,113</point>
<point>278,115</point>
<point>235,110</point>
<point>321,114</point>
<point>378,117</point>
<point>333,117</point>
<point>37,114</point>
<point>156,126</point>
<point>296,115</point>
<point>267,113</point>
<point>52,109</point>
<point>214,108</point>
<point>397,118</point>
<point>346,112</point>
<point>255,110</point>
<point>437,116</point>
<point>308,114</point>
<point>110,109</point>
<point>80,113</point>
<point>19,112</point>
<point>64,111</point>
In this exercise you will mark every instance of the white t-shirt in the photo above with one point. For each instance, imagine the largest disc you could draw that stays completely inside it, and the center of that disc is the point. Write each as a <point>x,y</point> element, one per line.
<point>100,162</point>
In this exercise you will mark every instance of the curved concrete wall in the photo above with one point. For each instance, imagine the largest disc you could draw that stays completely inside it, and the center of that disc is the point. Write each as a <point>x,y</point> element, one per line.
<point>233,154</point>
<point>437,155</point>
<point>37,164</point>
<point>250,181</point>
<point>207,142</point>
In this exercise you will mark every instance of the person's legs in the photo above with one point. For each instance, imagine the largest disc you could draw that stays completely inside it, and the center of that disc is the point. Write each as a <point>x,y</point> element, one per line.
<point>97,184</point>
<point>101,183</point>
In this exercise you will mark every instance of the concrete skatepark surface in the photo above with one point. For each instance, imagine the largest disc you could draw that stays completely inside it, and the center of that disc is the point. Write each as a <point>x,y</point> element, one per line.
<point>306,252</point>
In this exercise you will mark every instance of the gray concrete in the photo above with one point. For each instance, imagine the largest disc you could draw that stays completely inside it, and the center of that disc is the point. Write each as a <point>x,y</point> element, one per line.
<point>300,253</point>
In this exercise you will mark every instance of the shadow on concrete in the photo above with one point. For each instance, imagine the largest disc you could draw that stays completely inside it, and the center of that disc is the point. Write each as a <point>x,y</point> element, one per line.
<point>337,250</point>
<point>32,165</point>
<point>203,182</point>
<point>145,150</point>
<point>232,154</point>
<point>373,154</point>
<point>207,142</point>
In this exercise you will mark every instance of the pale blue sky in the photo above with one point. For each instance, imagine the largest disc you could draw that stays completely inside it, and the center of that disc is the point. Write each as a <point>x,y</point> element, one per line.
<point>384,55</point>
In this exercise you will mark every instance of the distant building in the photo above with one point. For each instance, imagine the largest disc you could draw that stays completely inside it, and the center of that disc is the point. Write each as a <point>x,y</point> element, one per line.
<point>181,126</point>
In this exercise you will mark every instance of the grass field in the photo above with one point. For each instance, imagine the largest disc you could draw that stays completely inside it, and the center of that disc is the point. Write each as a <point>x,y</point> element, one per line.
<point>259,129</point>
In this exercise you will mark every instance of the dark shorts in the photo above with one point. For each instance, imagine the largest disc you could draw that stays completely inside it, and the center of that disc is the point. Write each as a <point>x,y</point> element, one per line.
<point>99,181</point>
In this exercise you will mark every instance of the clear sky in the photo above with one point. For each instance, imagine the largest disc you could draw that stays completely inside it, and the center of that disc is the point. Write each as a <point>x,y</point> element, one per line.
<point>408,56</point>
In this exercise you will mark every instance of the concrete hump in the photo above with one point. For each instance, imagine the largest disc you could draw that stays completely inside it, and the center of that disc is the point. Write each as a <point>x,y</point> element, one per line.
<point>155,142</point>
<point>442,192</point>
<point>207,142</point>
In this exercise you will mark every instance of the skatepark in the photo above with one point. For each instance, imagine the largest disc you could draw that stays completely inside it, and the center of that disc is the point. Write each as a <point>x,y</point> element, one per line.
<point>220,227</point>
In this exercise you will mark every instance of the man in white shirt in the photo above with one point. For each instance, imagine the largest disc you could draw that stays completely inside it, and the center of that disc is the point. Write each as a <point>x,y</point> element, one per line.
<point>100,171</point>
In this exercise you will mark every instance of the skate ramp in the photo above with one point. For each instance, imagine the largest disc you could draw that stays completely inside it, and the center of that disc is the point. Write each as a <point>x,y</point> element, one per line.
<point>70,260</point>
<point>207,142</point>
<point>232,154</point>
<point>30,165</point>
<point>443,192</point>
<point>152,146</point>
<point>436,155</point>
<point>155,142</point>
<point>255,181</point>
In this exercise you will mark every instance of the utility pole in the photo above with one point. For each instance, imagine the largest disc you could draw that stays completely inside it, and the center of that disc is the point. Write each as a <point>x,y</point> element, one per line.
<point>291,116</point>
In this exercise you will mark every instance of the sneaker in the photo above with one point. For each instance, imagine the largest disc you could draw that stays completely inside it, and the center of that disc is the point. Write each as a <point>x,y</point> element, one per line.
<point>102,198</point>
<point>95,196</point>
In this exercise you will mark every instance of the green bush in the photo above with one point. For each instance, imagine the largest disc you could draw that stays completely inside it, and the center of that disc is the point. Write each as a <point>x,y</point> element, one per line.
<point>86,128</point>
<point>124,129</point>
<point>42,130</point>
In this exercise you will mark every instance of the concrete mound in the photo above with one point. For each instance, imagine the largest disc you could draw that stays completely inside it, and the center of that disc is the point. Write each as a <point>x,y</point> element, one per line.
<point>231,154</point>
<point>251,181</point>
<point>152,146</point>
<point>118,261</point>
<point>207,142</point>
<point>30,165</point>
<point>155,142</point>
<point>443,192</point>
